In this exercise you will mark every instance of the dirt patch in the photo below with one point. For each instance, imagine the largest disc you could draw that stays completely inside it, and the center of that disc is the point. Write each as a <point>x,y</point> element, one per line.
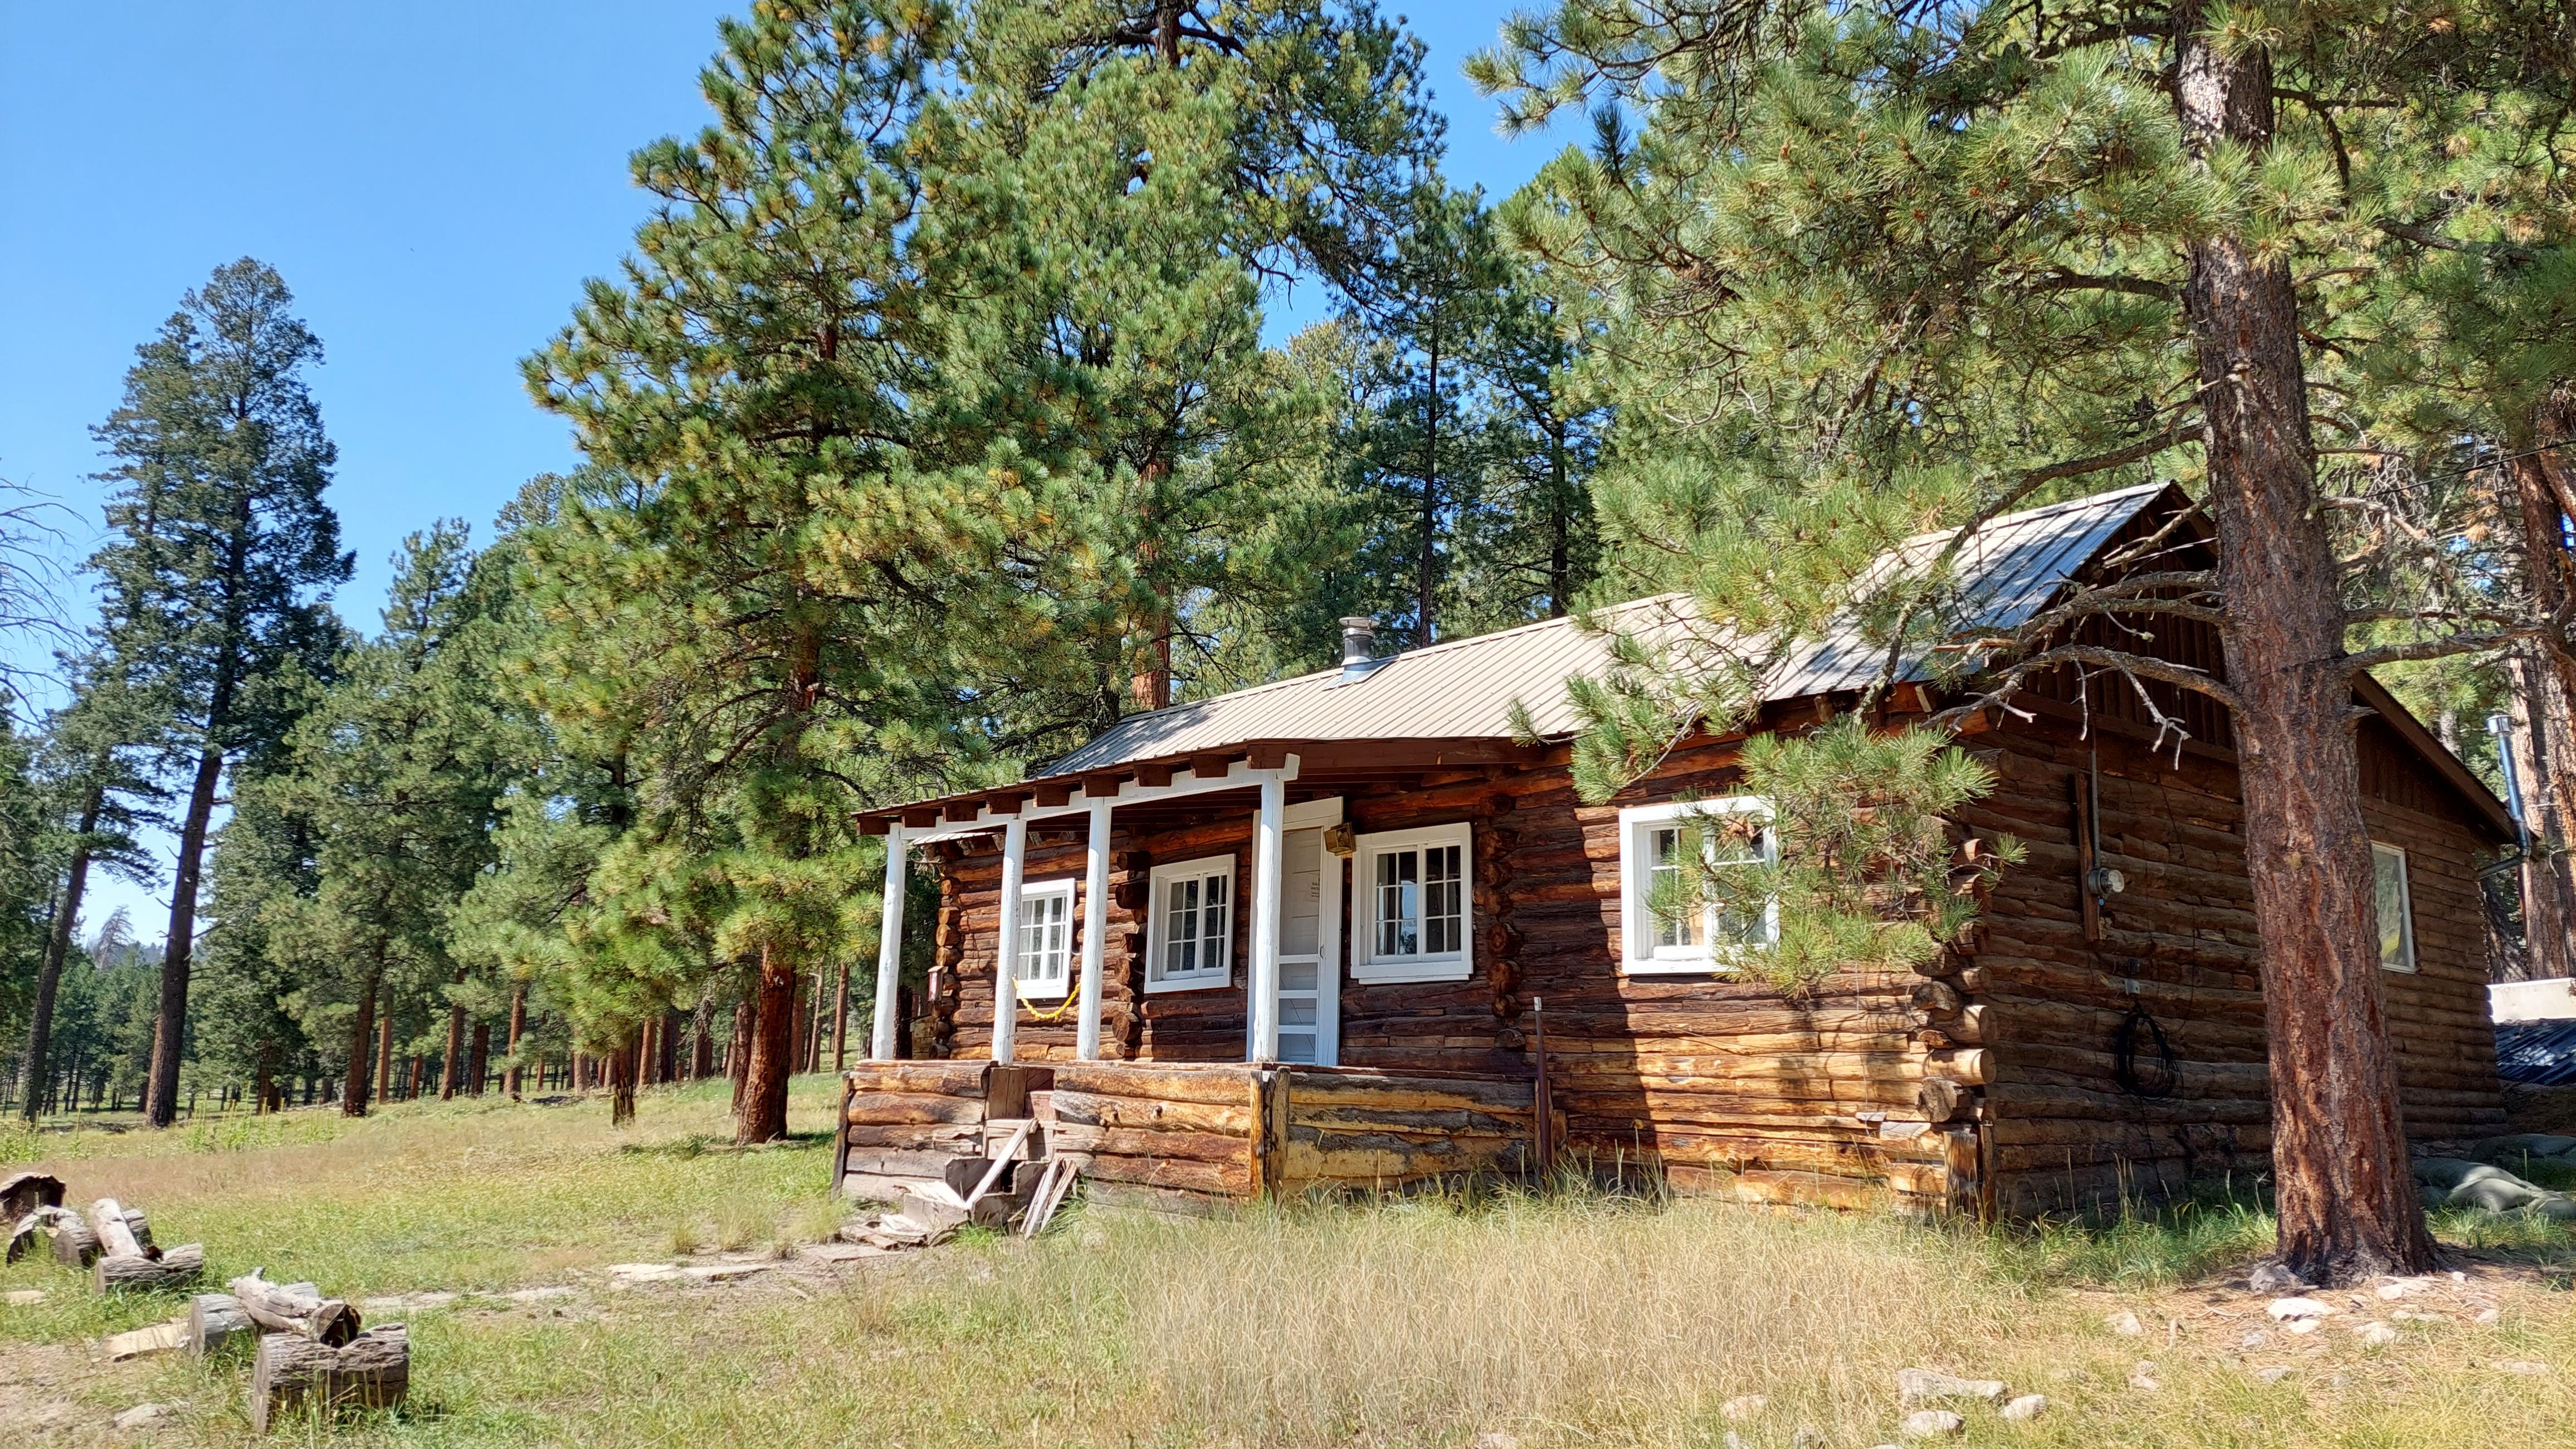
<point>36,1391</point>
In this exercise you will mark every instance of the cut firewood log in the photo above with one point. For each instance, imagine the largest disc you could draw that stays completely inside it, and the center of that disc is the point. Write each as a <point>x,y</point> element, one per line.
<point>24,1192</point>
<point>142,1342</point>
<point>38,1220</point>
<point>152,1268</point>
<point>215,1320</point>
<point>296,1308</point>
<point>75,1246</point>
<point>115,1235</point>
<point>293,1374</point>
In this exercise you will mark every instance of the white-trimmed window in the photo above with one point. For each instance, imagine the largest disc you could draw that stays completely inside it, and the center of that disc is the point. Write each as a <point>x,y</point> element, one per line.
<point>1189,940</point>
<point>1662,931</point>
<point>1416,908</point>
<point>1046,940</point>
<point>2396,908</point>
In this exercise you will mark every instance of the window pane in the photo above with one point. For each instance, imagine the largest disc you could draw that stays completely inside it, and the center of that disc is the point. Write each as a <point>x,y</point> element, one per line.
<point>1215,925</point>
<point>1673,927</point>
<point>1399,903</point>
<point>1181,928</point>
<point>2390,868</point>
<point>1443,906</point>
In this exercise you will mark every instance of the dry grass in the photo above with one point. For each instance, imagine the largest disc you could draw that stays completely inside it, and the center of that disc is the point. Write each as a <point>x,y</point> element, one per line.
<point>1577,1322</point>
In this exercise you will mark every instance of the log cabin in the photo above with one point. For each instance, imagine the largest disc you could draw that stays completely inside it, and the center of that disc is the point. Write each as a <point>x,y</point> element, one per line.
<point>1355,930</point>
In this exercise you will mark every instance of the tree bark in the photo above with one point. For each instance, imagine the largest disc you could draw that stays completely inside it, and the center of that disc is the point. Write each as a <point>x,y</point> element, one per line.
<point>518,1029</point>
<point>170,1026</point>
<point>2346,1197</point>
<point>479,1059</point>
<point>58,946</point>
<point>763,1117</point>
<point>353,1096</point>
<point>841,1020</point>
<point>702,1044</point>
<point>622,1062</point>
<point>746,1014</point>
<point>451,1070</point>
<point>385,1048</point>
<point>2544,707</point>
<point>1427,573</point>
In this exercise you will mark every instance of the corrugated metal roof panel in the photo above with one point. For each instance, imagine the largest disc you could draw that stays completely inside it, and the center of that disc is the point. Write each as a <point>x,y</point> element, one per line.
<point>1465,688</point>
<point>2536,1053</point>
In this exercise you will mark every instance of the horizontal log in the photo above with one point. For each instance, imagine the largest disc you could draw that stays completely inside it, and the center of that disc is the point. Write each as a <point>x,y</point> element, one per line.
<point>296,1308</point>
<point>216,1320</point>
<point>1432,1122</point>
<point>1213,1085</point>
<point>1231,1179</point>
<point>950,1078</point>
<point>1135,1142</point>
<point>900,1162</point>
<point>1096,1110</point>
<point>114,1272</point>
<point>886,1109</point>
<point>919,1137</point>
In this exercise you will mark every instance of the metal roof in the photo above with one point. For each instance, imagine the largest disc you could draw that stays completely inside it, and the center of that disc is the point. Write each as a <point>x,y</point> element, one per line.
<point>1466,688</point>
<point>2536,1053</point>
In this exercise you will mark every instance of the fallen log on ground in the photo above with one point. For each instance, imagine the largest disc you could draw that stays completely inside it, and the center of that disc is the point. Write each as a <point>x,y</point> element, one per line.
<point>127,1258</point>
<point>296,1308</point>
<point>37,1220</point>
<point>152,1268</point>
<point>24,1192</point>
<point>75,1246</point>
<point>294,1373</point>
<point>215,1320</point>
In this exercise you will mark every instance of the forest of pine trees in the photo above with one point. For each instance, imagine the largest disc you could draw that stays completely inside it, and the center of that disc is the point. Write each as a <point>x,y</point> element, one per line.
<point>928,427</point>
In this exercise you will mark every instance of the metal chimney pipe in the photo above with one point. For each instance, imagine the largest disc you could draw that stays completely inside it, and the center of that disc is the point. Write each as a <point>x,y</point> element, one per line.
<point>1359,641</point>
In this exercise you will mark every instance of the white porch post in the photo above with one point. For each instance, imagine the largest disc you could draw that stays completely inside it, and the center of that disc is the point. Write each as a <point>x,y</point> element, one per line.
<point>1266,841</point>
<point>889,950</point>
<point>1006,963</point>
<point>1095,929</point>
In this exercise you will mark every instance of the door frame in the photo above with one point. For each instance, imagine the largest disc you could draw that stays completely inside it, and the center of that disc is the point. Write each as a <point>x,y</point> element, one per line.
<point>1329,927</point>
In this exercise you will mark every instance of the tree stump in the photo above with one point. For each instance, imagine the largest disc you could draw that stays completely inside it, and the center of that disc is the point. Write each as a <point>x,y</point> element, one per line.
<point>39,1220</point>
<point>24,1192</point>
<point>151,1268</point>
<point>215,1320</point>
<point>292,1372</point>
<point>296,1308</point>
<point>75,1246</point>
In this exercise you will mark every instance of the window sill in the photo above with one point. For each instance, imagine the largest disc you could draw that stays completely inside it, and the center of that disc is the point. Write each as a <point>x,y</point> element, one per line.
<point>1049,992</point>
<point>1190,983</point>
<point>1406,973</point>
<point>1696,966</point>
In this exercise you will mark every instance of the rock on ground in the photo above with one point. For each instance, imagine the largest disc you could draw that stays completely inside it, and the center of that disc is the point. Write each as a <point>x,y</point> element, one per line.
<point>1931,1424</point>
<point>2124,1323</point>
<point>2026,1408</point>
<point>142,1414</point>
<point>1926,1386</point>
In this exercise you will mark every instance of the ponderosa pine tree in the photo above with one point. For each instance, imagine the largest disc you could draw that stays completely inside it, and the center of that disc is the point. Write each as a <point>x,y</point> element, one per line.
<point>220,557</point>
<point>392,780</point>
<point>1947,263</point>
<point>755,581</point>
<point>101,791</point>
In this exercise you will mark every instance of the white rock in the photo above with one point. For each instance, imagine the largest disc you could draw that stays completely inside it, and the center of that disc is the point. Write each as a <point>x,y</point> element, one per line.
<point>2291,1309</point>
<point>2026,1408</point>
<point>2304,1325</point>
<point>1732,1440</point>
<point>2143,1377</point>
<point>2489,1315</point>
<point>627,1275</point>
<point>2521,1366</point>
<point>2124,1323</point>
<point>142,1414</point>
<point>2273,1278</point>
<point>1926,1386</point>
<point>25,1297</point>
<point>2255,1339</point>
<point>724,1272</point>
<point>1743,1406</point>
<point>2376,1334</point>
<point>2274,1374</point>
<point>1930,1424</point>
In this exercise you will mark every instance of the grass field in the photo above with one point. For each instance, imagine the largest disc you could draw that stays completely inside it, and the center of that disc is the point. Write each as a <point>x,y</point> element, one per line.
<point>1578,1320</point>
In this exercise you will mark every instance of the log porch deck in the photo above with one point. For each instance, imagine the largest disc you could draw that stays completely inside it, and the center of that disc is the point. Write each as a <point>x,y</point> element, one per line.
<point>1186,1137</point>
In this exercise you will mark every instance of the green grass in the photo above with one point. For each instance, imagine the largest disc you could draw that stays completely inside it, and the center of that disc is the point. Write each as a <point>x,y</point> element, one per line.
<point>1580,1319</point>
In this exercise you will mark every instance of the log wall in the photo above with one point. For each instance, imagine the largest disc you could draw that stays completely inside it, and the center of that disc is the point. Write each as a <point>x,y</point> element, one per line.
<point>1994,1082</point>
<point>2178,949</point>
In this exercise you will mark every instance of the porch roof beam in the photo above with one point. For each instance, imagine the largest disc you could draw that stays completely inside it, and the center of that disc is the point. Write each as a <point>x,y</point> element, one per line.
<point>1239,775</point>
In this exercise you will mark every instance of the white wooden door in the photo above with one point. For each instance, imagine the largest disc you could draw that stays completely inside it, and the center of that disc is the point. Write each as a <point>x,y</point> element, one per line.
<point>1310,914</point>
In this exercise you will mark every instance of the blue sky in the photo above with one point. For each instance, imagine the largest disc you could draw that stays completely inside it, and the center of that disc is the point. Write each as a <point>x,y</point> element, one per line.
<point>434,181</point>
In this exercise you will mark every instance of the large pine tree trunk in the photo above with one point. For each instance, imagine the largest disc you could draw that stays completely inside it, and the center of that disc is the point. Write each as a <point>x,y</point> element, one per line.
<point>841,1020</point>
<point>746,1017</point>
<point>518,1029</point>
<point>2347,1201</point>
<point>2544,708</point>
<point>170,1027</point>
<point>451,1071</point>
<point>353,1096</point>
<point>58,948</point>
<point>763,1116</point>
<point>385,1049</point>
<point>622,1062</point>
